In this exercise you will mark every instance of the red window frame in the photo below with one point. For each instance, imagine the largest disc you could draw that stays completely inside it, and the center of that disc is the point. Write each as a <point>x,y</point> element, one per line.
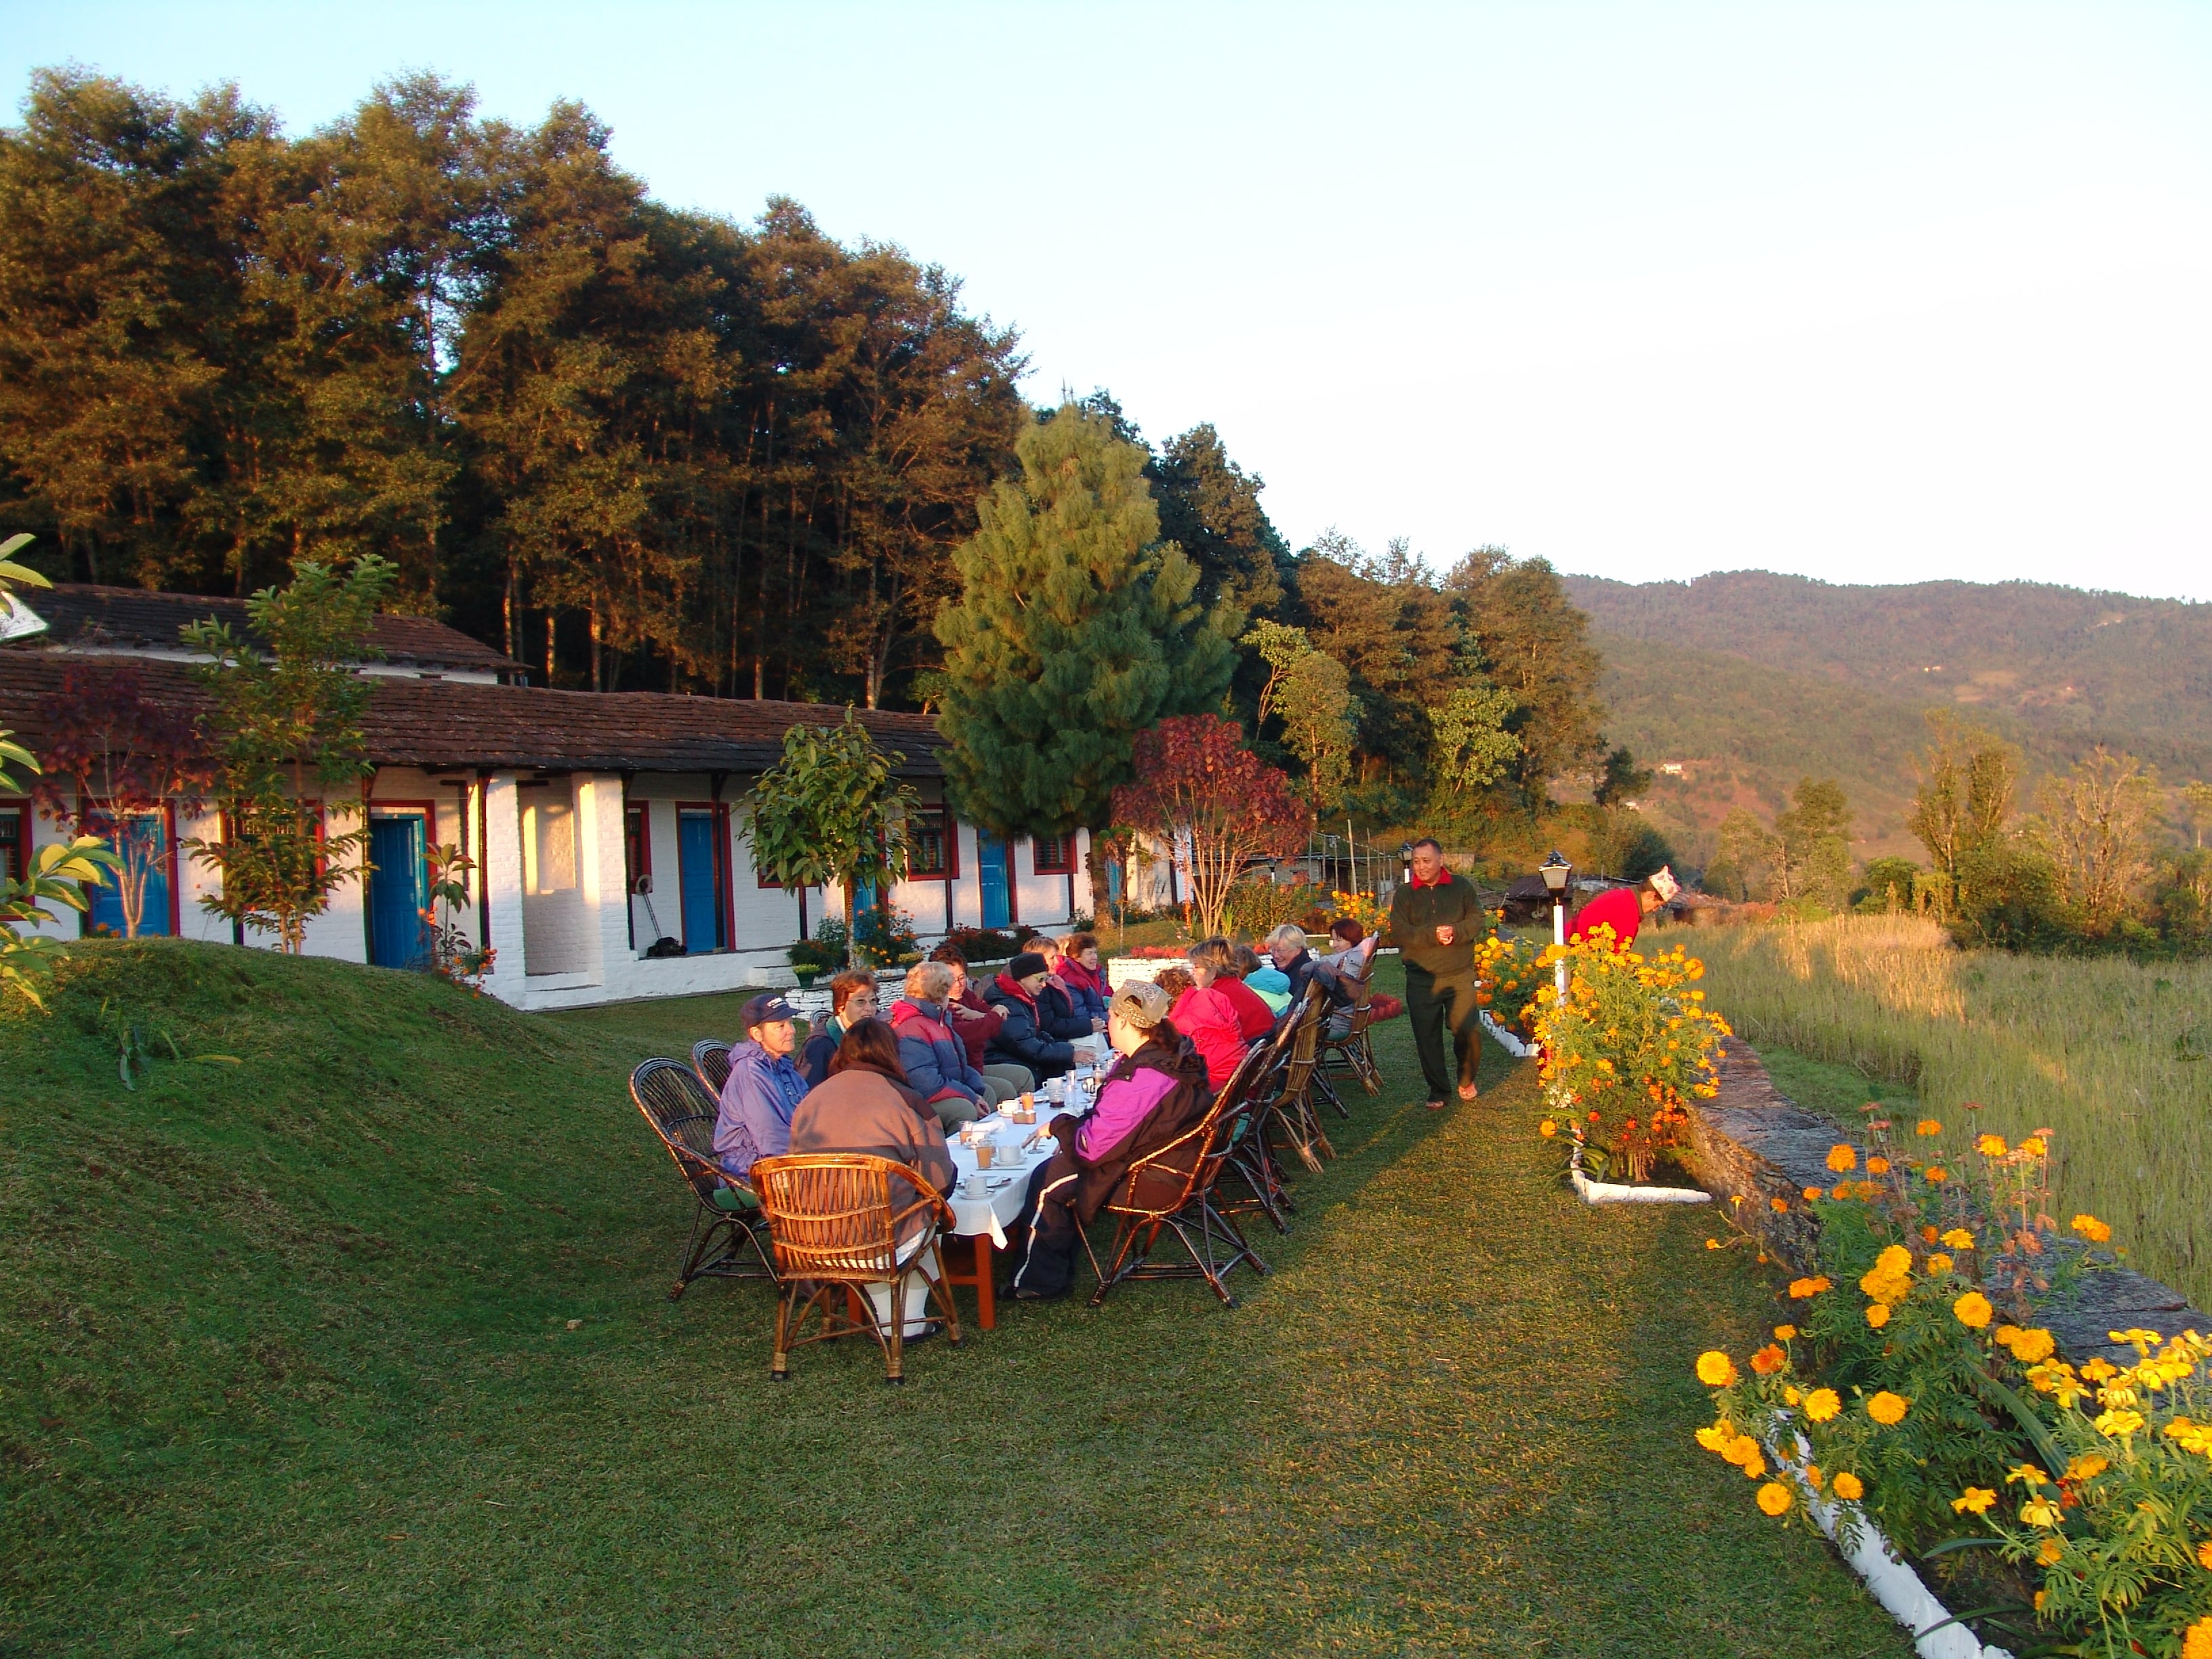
<point>1063,847</point>
<point>938,817</point>
<point>637,842</point>
<point>15,866</point>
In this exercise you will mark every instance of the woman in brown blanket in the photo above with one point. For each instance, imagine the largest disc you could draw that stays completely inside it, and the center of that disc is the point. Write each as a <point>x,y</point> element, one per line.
<point>866,1106</point>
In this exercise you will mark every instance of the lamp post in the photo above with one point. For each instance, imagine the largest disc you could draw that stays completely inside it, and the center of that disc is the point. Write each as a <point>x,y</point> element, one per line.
<point>1557,873</point>
<point>1406,862</point>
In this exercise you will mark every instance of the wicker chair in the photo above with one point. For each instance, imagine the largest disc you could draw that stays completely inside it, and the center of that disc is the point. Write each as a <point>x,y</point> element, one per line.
<point>836,1221</point>
<point>710,1058</point>
<point>1354,1053</point>
<point>1170,1190</point>
<point>725,1227</point>
<point>1252,1158</point>
<point>1292,1107</point>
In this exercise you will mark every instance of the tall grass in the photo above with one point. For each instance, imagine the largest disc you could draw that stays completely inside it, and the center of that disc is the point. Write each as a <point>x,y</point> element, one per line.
<point>2111,1055</point>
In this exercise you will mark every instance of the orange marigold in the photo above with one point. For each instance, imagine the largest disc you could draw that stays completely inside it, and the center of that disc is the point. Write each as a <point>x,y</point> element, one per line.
<point>1769,1361</point>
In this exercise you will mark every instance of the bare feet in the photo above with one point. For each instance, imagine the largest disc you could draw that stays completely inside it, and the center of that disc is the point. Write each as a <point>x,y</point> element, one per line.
<point>1468,1091</point>
<point>1436,1105</point>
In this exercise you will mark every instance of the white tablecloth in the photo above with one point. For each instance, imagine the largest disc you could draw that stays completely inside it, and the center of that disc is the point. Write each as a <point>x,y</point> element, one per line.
<point>1006,1183</point>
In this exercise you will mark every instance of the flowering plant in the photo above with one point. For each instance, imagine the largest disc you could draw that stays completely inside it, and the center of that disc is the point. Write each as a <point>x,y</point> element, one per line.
<point>1361,908</point>
<point>1508,972</point>
<point>1628,1045</point>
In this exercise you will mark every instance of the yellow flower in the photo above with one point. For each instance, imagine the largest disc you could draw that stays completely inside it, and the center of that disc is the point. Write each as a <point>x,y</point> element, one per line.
<point>1972,1310</point>
<point>2119,1423</point>
<point>1940,1263</point>
<point>1977,1501</point>
<point>1887,1408</point>
<point>1813,1476</point>
<point>2192,1436</point>
<point>2039,1512</point>
<point>1877,1166</point>
<point>1990,1146</point>
<point>2096,1231</point>
<point>2049,1552</point>
<point>1959,1239</point>
<point>2204,1555</point>
<point>2027,1346</point>
<point>1850,1487</point>
<point>1715,1438</point>
<point>2197,1640</point>
<point>2034,1146</point>
<point>1769,1361</point>
<point>1715,1369</point>
<point>1812,1192</point>
<point>1784,1333</point>
<point>1780,1207</point>
<point>1548,1128</point>
<point>1928,1126</point>
<point>1774,1498</point>
<point>2088,1466</point>
<point>1803,1288</point>
<point>1822,1405</point>
<point>2029,1473</point>
<point>1790,1396</point>
<point>1712,1243</point>
<point>1842,1190</point>
<point>1877,1315</point>
<point>1937,1174</point>
<point>1841,1158</point>
<point>1753,1467</point>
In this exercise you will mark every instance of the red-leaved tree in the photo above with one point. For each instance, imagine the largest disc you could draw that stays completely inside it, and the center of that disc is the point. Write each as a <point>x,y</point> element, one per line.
<point>115,760</point>
<point>1220,805</point>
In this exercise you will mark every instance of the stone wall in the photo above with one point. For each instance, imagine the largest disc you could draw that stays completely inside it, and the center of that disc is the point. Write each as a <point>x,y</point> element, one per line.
<point>1752,1145</point>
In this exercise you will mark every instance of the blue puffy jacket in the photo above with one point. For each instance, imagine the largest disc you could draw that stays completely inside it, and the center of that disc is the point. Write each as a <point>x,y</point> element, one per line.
<point>754,1118</point>
<point>935,1061</point>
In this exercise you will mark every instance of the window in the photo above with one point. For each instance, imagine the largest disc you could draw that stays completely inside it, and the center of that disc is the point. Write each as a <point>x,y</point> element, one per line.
<point>637,844</point>
<point>15,841</point>
<point>1054,855</point>
<point>549,845</point>
<point>932,845</point>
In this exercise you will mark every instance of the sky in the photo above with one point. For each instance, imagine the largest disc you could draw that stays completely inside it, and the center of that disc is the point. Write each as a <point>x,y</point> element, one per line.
<point>1864,293</point>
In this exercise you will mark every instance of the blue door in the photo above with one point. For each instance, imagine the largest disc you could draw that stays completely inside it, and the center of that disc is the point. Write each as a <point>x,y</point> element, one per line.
<point>149,836</point>
<point>991,871</point>
<point>399,892</point>
<point>699,874</point>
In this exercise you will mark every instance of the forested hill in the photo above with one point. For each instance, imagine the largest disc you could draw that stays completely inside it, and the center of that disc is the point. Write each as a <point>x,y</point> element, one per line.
<point>1765,676</point>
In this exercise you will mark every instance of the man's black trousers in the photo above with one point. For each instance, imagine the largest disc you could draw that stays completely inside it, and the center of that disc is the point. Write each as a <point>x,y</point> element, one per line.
<point>1442,1005</point>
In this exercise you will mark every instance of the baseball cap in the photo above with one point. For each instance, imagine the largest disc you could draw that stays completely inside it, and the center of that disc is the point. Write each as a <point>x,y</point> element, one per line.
<point>766,1008</point>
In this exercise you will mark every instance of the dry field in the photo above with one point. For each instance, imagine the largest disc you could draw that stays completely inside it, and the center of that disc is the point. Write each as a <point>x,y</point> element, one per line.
<point>2114,1055</point>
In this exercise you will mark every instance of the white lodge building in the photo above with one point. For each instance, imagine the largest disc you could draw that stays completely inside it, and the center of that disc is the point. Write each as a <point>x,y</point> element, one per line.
<point>600,823</point>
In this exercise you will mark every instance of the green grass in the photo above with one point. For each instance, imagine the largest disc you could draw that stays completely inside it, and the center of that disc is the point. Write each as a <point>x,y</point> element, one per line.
<point>285,1368</point>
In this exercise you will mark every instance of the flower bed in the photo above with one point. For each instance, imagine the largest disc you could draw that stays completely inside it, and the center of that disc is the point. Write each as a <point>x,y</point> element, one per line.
<point>1932,1406</point>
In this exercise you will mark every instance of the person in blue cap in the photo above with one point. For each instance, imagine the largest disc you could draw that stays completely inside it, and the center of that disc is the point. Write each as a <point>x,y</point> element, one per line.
<point>764,1088</point>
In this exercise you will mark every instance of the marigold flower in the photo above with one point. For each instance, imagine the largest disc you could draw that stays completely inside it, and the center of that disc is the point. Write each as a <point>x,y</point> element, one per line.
<point>2029,1473</point>
<point>1928,1235</point>
<point>1843,1191</point>
<point>1928,1126</point>
<point>1940,1263</point>
<point>1991,1146</point>
<point>1822,1405</point>
<point>1972,1310</point>
<point>1877,1166</point>
<point>1877,1314</point>
<point>1803,1288</point>
<point>1959,1239</point>
<point>2028,1345</point>
<point>1753,1467</point>
<point>1842,1157</point>
<point>1790,1396</point>
<point>1977,1501</point>
<point>1784,1333</point>
<point>1938,1174</point>
<point>2197,1640</point>
<point>1812,1192</point>
<point>1813,1476</point>
<point>1774,1498</point>
<point>2088,1466</point>
<point>2034,1146</point>
<point>1715,1437</point>
<point>2040,1512</point>
<point>1712,1243</point>
<point>2204,1555</point>
<point>1887,1409</point>
<point>1769,1361</point>
<point>2096,1231</point>
<point>1715,1369</point>
<point>2119,1423</point>
<point>2048,1554</point>
<point>1780,1207</point>
<point>2192,1436</point>
<point>1850,1487</point>
<point>1548,1128</point>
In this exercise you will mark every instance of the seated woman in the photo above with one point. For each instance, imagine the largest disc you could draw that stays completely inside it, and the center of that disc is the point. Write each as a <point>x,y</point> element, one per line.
<point>1155,1090</point>
<point>1084,975</point>
<point>931,1056</point>
<point>1350,952</point>
<point>1208,1019</point>
<point>1214,966</point>
<point>865,1105</point>
<point>974,1023</point>
<point>1023,1040</point>
<point>1057,1003</point>
<point>852,999</point>
<point>1263,979</point>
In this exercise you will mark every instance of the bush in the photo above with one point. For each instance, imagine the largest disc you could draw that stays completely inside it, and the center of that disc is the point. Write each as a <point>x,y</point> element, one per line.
<point>885,938</point>
<point>980,943</point>
<point>1258,905</point>
<point>813,955</point>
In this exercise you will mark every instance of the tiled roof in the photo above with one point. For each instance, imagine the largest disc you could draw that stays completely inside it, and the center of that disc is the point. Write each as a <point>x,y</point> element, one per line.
<point>455,723</point>
<point>84,614</point>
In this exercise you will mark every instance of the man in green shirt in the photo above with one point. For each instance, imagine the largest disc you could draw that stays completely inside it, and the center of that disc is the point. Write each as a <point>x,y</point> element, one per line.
<point>1435,920</point>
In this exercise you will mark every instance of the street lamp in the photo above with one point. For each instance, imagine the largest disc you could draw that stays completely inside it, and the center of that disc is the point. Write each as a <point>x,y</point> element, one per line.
<point>1556,873</point>
<point>1406,861</point>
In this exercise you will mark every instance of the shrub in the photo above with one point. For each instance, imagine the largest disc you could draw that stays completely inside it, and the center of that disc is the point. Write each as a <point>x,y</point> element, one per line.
<point>1257,905</point>
<point>980,943</point>
<point>885,938</point>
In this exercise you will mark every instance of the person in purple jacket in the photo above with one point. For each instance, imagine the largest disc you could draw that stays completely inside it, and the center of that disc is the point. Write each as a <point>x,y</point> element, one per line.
<point>764,1088</point>
<point>1155,1091</point>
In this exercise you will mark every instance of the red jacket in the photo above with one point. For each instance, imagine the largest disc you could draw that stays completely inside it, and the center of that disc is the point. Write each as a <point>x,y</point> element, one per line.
<point>974,1033</point>
<point>1618,909</point>
<point>1209,1020</point>
<point>1254,1019</point>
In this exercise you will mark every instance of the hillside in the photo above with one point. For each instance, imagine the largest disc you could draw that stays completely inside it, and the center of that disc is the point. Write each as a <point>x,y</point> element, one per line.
<point>1752,680</point>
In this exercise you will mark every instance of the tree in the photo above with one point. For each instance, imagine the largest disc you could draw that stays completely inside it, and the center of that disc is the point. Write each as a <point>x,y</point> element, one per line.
<point>284,728</point>
<point>832,810</point>
<point>1473,749</point>
<point>1619,778</point>
<point>1528,637</point>
<point>1812,840</point>
<point>1745,858</point>
<point>126,757</point>
<point>2096,823</point>
<point>1076,629</point>
<point>1210,508</point>
<point>1320,723</point>
<point>1198,788</point>
<point>1962,803</point>
<point>2198,795</point>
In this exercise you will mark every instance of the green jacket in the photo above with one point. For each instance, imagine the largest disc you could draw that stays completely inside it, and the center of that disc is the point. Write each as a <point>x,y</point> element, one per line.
<point>1417,912</point>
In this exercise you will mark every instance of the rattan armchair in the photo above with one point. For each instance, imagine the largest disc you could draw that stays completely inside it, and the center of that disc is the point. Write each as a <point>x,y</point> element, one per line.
<point>1292,1106</point>
<point>710,1058</point>
<point>725,1226</point>
<point>1354,1053</point>
<point>836,1219</point>
<point>1170,1190</point>
<point>1252,1158</point>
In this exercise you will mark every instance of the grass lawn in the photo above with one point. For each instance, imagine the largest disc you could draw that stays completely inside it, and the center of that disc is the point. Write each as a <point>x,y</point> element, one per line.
<point>287,1367</point>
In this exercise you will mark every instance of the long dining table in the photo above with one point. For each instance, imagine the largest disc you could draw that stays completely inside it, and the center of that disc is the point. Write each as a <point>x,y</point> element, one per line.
<point>986,1202</point>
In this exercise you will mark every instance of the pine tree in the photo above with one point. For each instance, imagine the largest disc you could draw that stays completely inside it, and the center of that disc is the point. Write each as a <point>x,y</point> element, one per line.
<point>1076,629</point>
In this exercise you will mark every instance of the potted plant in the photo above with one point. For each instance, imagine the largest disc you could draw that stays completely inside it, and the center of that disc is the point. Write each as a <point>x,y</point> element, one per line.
<point>810,958</point>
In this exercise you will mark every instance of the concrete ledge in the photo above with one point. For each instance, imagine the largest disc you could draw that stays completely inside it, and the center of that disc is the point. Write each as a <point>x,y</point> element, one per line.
<point>1751,1145</point>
